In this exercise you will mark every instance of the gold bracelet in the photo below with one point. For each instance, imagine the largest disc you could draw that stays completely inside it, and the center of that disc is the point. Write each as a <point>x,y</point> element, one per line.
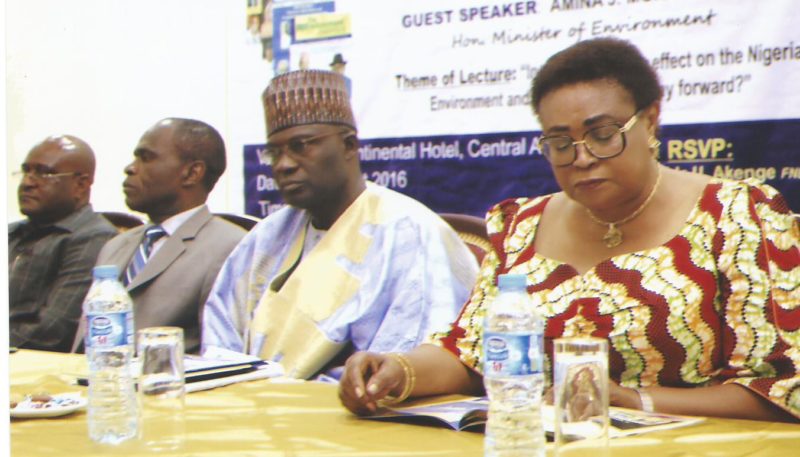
<point>646,400</point>
<point>409,379</point>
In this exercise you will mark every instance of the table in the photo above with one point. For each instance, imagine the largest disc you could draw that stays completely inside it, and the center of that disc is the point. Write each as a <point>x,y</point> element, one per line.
<point>270,419</point>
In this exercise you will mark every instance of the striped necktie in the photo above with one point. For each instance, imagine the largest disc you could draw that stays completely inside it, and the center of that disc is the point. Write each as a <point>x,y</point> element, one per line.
<point>151,235</point>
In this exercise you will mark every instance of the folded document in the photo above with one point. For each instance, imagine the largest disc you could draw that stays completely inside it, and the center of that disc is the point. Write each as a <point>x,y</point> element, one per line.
<point>215,370</point>
<point>203,373</point>
<point>219,367</point>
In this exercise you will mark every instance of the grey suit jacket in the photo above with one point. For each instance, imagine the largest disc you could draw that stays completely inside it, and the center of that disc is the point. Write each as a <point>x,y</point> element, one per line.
<point>174,284</point>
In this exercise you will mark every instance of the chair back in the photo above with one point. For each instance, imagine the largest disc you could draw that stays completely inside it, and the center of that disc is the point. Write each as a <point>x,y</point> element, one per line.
<point>471,230</point>
<point>244,221</point>
<point>122,221</point>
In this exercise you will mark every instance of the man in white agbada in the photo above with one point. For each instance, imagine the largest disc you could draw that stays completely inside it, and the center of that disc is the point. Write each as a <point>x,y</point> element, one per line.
<point>348,265</point>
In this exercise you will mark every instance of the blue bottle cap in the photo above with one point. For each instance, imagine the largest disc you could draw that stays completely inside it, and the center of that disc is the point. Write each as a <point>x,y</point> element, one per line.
<point>512,282</point>
<point>105,272</point>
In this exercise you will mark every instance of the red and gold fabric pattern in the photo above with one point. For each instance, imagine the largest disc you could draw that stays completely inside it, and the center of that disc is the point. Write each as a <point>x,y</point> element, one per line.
<point>719,302</point>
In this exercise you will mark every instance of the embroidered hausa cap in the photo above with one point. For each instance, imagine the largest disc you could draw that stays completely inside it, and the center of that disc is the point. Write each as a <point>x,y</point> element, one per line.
<point>307,97</point>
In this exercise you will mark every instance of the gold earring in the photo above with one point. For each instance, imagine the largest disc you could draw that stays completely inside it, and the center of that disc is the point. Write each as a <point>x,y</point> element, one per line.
<point>654,144</point>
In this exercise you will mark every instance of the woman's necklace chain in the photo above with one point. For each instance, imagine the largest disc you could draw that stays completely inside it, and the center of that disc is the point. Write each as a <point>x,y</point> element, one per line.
<point>613,236</point>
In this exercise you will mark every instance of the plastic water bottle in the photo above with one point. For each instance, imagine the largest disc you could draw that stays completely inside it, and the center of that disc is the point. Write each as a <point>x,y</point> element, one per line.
<point>513,362</point>
<point>113,414</point>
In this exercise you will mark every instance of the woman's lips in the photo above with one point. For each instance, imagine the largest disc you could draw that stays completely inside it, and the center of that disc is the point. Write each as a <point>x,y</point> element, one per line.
<point>589,183</point>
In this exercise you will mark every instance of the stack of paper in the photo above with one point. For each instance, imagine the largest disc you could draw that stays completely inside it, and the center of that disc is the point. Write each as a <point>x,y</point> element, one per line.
<point>203,373</point>
<point>216,368</point>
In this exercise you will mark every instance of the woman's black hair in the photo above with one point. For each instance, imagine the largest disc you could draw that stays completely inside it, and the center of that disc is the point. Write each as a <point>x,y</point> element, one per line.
<point>597,59</point>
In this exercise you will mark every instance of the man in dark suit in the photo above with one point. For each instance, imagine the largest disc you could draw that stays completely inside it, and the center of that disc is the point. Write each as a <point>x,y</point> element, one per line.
<point>170,264</point>
<point>51,253</point>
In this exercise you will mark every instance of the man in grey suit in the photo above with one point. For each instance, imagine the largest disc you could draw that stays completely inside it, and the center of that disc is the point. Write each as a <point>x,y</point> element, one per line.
<point>175,166</point>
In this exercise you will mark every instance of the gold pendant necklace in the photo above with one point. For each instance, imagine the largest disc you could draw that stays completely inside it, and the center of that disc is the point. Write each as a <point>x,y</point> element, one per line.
<point>613,236</point>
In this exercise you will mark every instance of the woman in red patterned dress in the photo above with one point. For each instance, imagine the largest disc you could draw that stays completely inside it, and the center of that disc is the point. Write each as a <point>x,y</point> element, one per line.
<point>694,281</point>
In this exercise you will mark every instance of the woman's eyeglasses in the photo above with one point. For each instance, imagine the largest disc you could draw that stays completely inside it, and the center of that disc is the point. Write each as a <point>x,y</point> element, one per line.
<point>602,142</point>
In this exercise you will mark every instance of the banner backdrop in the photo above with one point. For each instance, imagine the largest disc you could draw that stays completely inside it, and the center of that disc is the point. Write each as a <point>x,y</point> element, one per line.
<point>440,90</point>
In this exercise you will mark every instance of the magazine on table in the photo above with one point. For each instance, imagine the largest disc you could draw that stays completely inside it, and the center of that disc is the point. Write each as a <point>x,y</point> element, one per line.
<point>455,411</point>
<point>464,413</point>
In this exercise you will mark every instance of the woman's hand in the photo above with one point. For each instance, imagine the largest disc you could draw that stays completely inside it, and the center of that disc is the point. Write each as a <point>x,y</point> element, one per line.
<point>623,397</point>
<point>617,396</point>
<point>367,378</point>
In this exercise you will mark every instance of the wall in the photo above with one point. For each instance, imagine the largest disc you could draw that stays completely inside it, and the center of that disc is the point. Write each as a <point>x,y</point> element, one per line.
<point>106,70</point>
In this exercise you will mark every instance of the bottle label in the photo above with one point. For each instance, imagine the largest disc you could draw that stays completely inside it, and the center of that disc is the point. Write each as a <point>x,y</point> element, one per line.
<point>512,354</point>
<point>105,330</point>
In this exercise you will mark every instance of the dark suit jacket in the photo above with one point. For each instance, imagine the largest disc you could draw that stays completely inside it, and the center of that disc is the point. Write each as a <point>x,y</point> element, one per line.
<point>174,284</point>
<point>49,273</point>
